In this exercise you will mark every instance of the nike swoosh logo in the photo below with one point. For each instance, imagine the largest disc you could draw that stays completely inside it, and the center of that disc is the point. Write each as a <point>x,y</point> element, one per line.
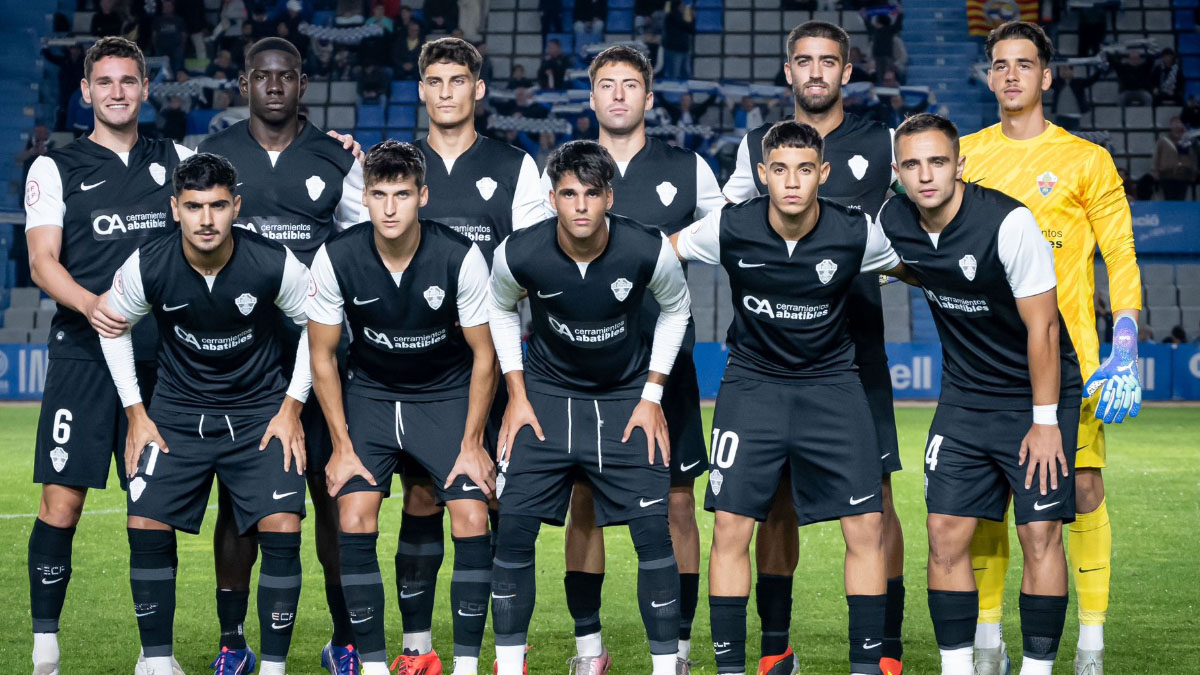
<point>548,295</point>
<point>468,488</point>
<point>660,604</point>
<point>277,626</point>
<point>687,467</point>
<point>406,596</point>
<point>276,495</point>
<point>978,569</point>
<point>722,651</point>
<point>645,503</point>
<point>241,184</point>
<point>885,456</point>
<point>85,187</point>
<point>353,620</point>
<point>1081,447</point>
<point>871,646</point>
<point>462,613</point>
<point>503,597</point>
<point>1094,569</point>
<point>172,309</point>
<point>856,502</point>
<point>908,262</point>
<point>1043,507</point>
<point>744,264</point>
<point>364,302</point>
<point>48,582</point>
<point>141,614</point>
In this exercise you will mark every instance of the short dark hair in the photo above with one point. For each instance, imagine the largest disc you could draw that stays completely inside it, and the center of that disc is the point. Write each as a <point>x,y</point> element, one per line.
<point>204,171</point>
<point>393,160</point>
<point>623,54</point>
<point>1021,30</point>
<point>588,160</point>
<point>273,44</point>
<point>922,122</point>
<point>115,46</point>
<point>792,134</point>
<point>819,29</point>
<point>450,50</point>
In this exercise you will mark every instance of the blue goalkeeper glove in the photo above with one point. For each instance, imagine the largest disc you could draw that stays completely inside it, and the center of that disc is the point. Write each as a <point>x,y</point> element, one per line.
<point>1117,378</point>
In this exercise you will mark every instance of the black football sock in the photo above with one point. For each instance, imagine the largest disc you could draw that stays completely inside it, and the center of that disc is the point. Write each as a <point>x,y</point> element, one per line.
<point>866,632</point>
<point>514,583</point>
<point>231,613</point>
<point>954,614</point>
<point>494,524</point>
<point>469,587</point>
<point>152,580</point>
<point>418,559</point>
<point>343,631</point>
<point>49,573</point>
<point>773,594</point>
<point>583,600</point>
<point>1042,618</point>
<point>658,582</point>
<point>689,595</point>
<point>893,621</point>
<point>279,577</point>
<point>728,618</point>
<point>363,587</point>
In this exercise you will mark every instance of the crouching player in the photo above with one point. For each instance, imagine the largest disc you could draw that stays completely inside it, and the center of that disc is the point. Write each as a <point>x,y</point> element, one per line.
<point>219,408</point>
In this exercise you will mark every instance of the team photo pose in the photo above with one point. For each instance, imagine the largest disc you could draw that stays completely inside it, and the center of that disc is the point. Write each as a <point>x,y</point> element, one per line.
<point>574,408</point>
<point>859,155</point>
<point>1007,418</point>
<point>222,407</point>
<point>88,205</point>
<point>1072,187</point>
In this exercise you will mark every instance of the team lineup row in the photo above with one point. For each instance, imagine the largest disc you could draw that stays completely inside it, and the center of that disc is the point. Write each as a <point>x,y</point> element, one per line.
<point>599,416</point>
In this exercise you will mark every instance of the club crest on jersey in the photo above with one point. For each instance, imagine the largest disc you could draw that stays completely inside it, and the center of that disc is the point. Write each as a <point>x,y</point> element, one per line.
<point>136,487</point>
<point>858,166</point>
<point>315,187</point>
<point>621,288</point>
<point>666,192</point>
<point>158,172</point>
<point>245,303</point>
<point>486,187</point>
<point>58,457</point>
<point>968,266</point>
<point>1046,183</point>
<point>434,296</point>
<point>825,270</point>
<point>715,481</point>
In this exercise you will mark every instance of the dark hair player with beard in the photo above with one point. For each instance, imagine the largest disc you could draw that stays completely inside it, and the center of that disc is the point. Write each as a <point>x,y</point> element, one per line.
<point>299,187</point>
<point>859,155</point>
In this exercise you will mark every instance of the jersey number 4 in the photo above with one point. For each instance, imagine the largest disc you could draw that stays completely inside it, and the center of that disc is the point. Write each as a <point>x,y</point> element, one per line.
<point>931,451</point>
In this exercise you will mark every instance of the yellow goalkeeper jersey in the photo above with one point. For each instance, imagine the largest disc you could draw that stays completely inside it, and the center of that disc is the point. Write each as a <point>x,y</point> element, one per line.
<point>1073,189</point>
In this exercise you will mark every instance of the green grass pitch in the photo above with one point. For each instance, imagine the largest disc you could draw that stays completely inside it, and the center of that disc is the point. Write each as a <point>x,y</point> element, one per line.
<point>1154,500</point>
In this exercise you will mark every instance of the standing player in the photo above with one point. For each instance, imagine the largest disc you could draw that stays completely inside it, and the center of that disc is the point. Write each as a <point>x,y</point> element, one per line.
<point>299,187</point>
<point>859,155</point>
<point>222,407</point>
<point>423,372</point>
<point>668,188</point>
<point>1074,191</point>
<point>1007,417</point>
<point>483,189</point>
<point>586,273</point>
<point>793,260</point>
<point>88,206</point>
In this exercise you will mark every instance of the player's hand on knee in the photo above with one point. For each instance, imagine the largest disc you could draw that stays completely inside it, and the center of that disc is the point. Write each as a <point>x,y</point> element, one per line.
<point>1042,449</point>
<point>105,320</point>
<point>348,142</point>
<point>142,432</point>
<point>286,426</point>
<point>343,466</point>
<point>517,415</point>
<point>473,462</point>
<point>649,417</point>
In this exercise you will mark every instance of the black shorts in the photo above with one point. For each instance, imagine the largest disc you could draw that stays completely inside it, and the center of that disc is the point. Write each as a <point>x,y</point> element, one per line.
<point>877,382</point>
<point>173,487</point>
<point>583,442</point>
<point>681,406</point>
<point>81,427</point>
<point>821,434</point>
<point>427,434</point>
<point>971,465</point>
<point>413,471</point>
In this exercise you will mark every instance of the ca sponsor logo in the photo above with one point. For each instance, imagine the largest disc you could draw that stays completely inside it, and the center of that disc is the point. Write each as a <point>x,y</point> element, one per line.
<point>561,328</point>
<point>758,305</point>
<point>187,337</point>
<point>105,224</point>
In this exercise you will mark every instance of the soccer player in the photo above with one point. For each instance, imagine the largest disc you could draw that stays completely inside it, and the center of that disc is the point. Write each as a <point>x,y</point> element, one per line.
<point>223,406</point>
<point>859,154</point>
<point>483,189</point>
<point>88,205</point>
<point>423,372</point>
<point>586,272</point>
<point>668,188</point>
<point>1074,191</point>
<point>299,187</point>
<point>793,260</point>
<point>1008,413</point>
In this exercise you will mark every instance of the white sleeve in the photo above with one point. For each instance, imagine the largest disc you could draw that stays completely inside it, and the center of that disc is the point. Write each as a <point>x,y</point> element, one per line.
<point>1026,255</point>
<point>183,151</point>
<point>504,320</point>
<point>708,191</point>
<point>118,354</point>
<point>127,297</point>
<point>740,185</point>
<point>44,195</point>
<point>350,210</point>
<point>529,205</point>
<point>294,291</point>
<point>879,254</point>
<point>473,289</point>
<point>670,290</point>
<point>545,187</point>
<point>325,304</point>
<point>701,241</point>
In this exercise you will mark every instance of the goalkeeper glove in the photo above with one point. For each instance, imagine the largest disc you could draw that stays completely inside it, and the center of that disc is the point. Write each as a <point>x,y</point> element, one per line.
<point>1117,378</point>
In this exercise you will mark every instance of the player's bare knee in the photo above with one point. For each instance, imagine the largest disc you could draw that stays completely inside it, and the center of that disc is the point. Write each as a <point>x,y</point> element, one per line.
<point>140,523</point>
<point>863,532</point>
<point>731,534</point>
<point>949,539</point>
<point>60,508</point>
<point>1089,490</point>
<point>468,518</point>
<point>582,511</point>
<point>1041,541</point>
<point>280,522</point>
<point>681,510</point>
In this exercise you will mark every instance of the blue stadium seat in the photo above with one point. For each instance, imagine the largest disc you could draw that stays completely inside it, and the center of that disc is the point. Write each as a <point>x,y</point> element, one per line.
<point>401,134</point>
<point>1185,20</point>
<point>323,18</point>
<point>710,4</point>
<point>1189,43</point>
<point>620,4</point>
<point>401,117</point>
<point>619,21</point>
<point>1193,89</point>
<point>404,91</point>
<point>198,119</point>
<point>709,21</point>
<point>368,138</point>
<point>370,116</point>
<point>1191,67</point>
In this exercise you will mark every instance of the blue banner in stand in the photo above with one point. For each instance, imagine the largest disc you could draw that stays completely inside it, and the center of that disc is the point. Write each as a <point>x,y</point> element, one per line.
<point>1167,228</point>
<point>22,372</point>
<point>1186,371</point>
<point>916,369</point>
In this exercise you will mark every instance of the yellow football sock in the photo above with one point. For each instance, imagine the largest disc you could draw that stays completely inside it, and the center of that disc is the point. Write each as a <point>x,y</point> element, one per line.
<point>989,559</point>
<point>1089,543</point>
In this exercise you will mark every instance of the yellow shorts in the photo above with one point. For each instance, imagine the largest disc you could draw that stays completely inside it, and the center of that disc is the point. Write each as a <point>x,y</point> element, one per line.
<point>1091,453</point>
